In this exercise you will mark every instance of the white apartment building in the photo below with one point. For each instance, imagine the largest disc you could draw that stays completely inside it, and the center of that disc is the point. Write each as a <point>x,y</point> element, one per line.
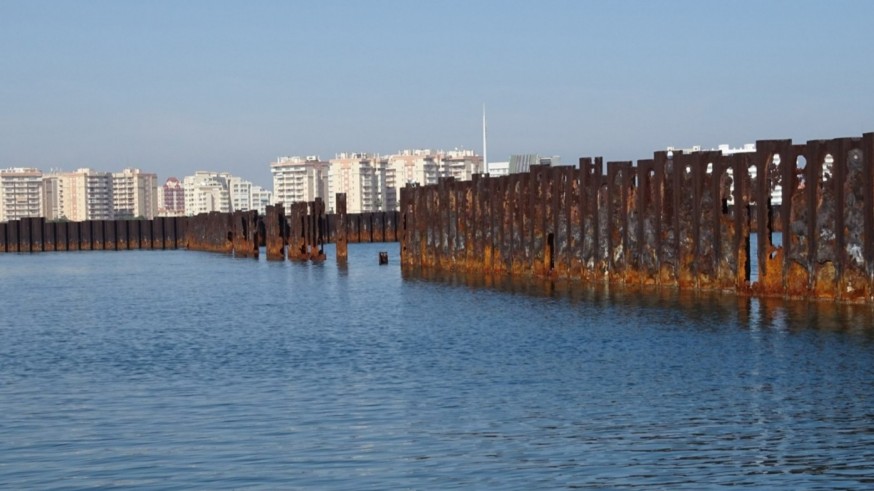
<point>85,194</point>
<point>134,194</point>
<point>297,179</point>
<point>363,178</point>
<point>460,164</point>
<point>371,182</point>
<point>247,196</point>
<point>207,191</point>
<point>20,193</point>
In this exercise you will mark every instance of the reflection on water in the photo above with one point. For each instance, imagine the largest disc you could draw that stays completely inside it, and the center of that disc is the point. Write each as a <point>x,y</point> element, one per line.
<point>241,374</point>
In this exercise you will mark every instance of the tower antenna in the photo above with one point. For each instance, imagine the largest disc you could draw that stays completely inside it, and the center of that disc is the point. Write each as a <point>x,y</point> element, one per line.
<point>485,143</point>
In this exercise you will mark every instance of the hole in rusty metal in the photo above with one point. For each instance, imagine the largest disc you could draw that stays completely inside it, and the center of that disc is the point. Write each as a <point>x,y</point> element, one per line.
<point>827,167</point>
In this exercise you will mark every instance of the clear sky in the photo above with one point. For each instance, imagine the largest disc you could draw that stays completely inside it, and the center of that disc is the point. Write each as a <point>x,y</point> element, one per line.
<point>178,86</point>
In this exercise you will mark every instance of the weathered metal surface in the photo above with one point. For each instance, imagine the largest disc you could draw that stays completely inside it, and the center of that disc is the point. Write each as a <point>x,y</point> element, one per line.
<point>24,235</point>
<point>274,226</point>
<point>677,219</point>
<point>341,241</point>
<point>49,236</point>
<point>210,232</point>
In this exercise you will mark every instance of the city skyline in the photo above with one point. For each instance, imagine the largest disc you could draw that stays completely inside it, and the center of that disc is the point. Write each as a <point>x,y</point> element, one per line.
<point>176,88</point>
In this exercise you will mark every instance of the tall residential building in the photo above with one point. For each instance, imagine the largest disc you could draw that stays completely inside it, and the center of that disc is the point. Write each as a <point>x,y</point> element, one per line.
<point>460,164</point>
<point>134,194</point>
<point>85,194</point>
<point>52,201</point>
<point>220,191</point>
<point>206,191</point>
<point>363,178</point>
<point>20,193</point>
<point>297,179</point>
<point>171,198</point>
<point>247,196</point>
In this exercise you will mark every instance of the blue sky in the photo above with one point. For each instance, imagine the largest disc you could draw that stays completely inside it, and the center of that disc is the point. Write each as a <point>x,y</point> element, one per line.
<point>177,86</point>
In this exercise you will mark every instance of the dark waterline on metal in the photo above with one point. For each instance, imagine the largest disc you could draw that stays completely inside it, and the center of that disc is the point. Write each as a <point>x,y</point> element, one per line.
<point>181,370</point>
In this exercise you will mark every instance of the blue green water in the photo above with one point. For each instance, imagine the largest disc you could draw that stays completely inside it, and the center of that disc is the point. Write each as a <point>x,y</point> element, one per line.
<point>184,370</point>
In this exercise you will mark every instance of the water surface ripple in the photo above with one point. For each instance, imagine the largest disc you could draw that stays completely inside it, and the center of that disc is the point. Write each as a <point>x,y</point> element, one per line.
<point>181,370</point>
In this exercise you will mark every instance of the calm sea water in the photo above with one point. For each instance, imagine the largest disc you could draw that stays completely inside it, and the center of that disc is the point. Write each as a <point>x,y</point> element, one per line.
<point>183,370</point>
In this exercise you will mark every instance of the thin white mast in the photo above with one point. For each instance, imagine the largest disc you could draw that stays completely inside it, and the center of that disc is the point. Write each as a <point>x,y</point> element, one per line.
<point>485,144</point>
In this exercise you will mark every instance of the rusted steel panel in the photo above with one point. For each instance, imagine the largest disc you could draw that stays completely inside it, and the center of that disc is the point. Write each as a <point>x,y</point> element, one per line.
<point>60,236</point>
<point>497,186</point>
<point>822,211</point>
<point>467,211</point>
<point>13,236</point>
<point>742,163</point>
<point>367,225</point>
<point>275,232</point>
<point>672,190</point>
<point>109,243</point>
<point>211,232</point>
<point>317,251</point>
<point>412,219</point>
<point>295,232</point>
<point>685,220</point>
<point>121,235</point>
<point>157,227</point>
<point>768,175</point>
<point>432,227</point>
<point>575,224</point>
<point>590,187</point>
<point>98,235</point>
<point>354,225</point>
<point>422,228</point>
<point>612,228</point>
<point>484,225</point>
<point>342,240</point>
<point>853,282</point>
<point>437,200</point>
<point>402,225</point>
<point>36,231</point>
<point>85,234</point>
<point>796,242</point>
<point>600,226</point>
<point>74,236</point>
<point>626,222</point>
<point>181,231</point>
<point>518,227</point>
<point>3,240</point>
<point>508,205</point>
<point>49,236</point>
<point>331,228</point>
<point>537,189</point>
<point>645,261</point>
<point>563,212</point>
<point>708,233</point>
<point>170,233</point>
<point>868,187</point>
<point>725,272</point>
<point>24,233</point>
<point>307,224</point>
<point>378,222</point>
<point>391,226</point>
<point>134,234</point>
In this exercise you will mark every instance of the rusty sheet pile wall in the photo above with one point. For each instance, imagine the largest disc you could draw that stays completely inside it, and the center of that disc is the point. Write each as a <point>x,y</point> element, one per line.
<point>39,235</point>
<point>678,220</point>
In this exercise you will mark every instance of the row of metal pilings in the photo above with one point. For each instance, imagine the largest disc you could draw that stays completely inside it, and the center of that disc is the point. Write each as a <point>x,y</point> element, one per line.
<point>298,234</point>
<point>680,220</point>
